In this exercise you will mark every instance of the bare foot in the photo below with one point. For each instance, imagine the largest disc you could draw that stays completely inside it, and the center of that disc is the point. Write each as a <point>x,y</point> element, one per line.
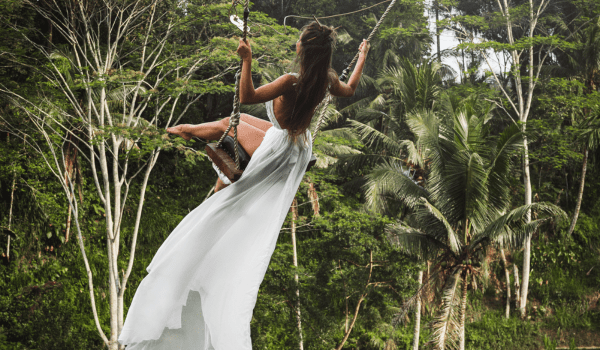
<point>177,130</point>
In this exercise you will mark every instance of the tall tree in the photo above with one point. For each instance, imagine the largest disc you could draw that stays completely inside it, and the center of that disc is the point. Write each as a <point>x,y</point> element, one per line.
<point>528,45</point>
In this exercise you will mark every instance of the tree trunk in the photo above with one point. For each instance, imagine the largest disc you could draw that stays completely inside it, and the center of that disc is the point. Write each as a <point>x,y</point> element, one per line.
<point>507,276</point>
<point>113,294</point>
<point>517,286</point>
<point>347,313</point>
<point>10,212</point>
<point>313,197</point>
<point>580,194</point>
<point>437,31</point>
<point>418,315</point>
<point>463,311</point>
<point>294,218</point>
<point>527,246</point>
<point>68,224</point>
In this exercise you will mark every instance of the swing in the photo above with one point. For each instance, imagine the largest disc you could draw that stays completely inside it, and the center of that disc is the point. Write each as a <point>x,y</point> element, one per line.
<point>227,154</point>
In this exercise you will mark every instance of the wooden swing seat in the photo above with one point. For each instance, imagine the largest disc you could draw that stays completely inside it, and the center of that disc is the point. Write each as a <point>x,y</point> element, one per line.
<point>224,158</point>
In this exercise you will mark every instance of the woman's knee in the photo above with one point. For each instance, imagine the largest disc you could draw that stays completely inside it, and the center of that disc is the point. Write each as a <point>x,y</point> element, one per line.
<point>223,124</point>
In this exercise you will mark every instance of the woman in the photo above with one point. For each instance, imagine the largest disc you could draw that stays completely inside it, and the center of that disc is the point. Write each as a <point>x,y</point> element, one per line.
<point>203,281</point>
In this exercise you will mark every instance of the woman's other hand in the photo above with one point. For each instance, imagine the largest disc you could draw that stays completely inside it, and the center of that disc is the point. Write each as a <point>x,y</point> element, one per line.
<point>364,48</point>
<point>244,50</point>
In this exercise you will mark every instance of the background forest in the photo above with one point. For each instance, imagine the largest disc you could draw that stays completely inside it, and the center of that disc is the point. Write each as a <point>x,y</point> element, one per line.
<point>448,208</point>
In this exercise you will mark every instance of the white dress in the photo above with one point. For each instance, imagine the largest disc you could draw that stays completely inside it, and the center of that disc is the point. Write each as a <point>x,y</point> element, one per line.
<point>202,283</point>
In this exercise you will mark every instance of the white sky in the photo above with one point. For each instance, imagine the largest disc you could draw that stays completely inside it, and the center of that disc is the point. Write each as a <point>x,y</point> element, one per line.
<point>449,41</point>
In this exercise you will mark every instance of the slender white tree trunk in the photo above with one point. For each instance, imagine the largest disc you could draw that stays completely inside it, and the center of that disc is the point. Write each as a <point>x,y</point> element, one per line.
<point>437,31</point>
<point>580,194</point>
<point>517,286</point>
<point>507,276</point>
<point>418,315</point>
<point>10,212</point>
<point>527,246</point>
<point>298,316</point>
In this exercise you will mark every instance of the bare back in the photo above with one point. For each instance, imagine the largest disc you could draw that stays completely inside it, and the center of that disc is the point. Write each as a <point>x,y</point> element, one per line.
<point>283,93</point>
<point>283,105</point>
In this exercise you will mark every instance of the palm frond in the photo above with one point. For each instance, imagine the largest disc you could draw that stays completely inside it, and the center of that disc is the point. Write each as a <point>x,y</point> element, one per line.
<point>368,115</point>
<point>590,132</point>
<point>388,182</point>
<point>426,128</point>
<point>343,133</point>
<point>351,163</point>
<point>452,238</point>
<point>463,191</point>
<point>413,155</point>
<point>343,37</point>
<point>329,115</point>
<point>415,242</point>
<point>324,161</point>
<point>391,77</point>
<point>335,149</point>
<point>358,105</point>
<point>509,224</point>
<point>509,141</point>
<point>514,237</point>
<point>371,137</point>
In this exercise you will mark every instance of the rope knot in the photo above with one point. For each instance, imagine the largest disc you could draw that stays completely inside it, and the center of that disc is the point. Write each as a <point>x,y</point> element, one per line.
<point>234,120</point>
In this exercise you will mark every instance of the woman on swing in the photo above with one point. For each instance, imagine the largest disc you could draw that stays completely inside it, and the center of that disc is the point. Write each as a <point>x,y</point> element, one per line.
<point>204,279</point>
<point>294,98</point>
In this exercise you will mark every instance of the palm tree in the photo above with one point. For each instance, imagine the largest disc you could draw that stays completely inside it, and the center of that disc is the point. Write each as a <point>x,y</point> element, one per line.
<point>399,89</point>
<point>459,209</point>
<point>380,120</point>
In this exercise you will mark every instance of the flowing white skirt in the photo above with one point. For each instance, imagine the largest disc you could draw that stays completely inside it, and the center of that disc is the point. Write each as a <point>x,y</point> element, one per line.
<point>203,281</point>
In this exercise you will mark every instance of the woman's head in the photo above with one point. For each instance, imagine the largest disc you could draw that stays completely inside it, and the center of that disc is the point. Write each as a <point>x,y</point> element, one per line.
<point>315,48</point>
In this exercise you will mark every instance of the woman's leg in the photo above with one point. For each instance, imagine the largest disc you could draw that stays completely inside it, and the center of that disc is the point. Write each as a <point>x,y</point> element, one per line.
<point>251,132</point>
<point>256,122</point>
<point>249,136</point>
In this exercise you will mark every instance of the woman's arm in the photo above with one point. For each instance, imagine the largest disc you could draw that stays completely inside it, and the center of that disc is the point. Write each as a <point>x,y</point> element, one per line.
<point>248,95</point>
<point>342,89</point>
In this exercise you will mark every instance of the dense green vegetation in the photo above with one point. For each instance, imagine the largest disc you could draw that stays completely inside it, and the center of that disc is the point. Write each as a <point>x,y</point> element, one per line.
<point>426,171</point>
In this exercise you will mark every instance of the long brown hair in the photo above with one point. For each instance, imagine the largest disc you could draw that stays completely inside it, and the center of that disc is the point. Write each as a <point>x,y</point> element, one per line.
<point>315,74</point>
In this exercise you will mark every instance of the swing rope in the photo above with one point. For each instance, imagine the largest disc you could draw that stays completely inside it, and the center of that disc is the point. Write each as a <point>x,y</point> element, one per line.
<point>333,16</point>
<point>328,97</point>
<point>234,119</point>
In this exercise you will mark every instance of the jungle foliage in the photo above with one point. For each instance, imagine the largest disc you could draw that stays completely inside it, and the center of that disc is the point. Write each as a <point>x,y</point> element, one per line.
<point>421,171</point>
